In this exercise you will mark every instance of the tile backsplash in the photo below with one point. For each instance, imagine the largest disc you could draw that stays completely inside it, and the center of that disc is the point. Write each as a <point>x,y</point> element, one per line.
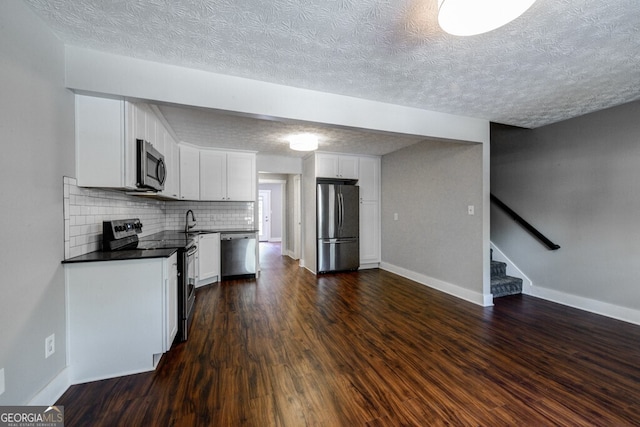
<point>86,208</point>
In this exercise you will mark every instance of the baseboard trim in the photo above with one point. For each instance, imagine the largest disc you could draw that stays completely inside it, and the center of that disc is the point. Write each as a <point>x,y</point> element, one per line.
<point>369,266</point>
<point>440,285</point>
<point>291,255</point>
<point>613,311</point>
<point>50,394</point>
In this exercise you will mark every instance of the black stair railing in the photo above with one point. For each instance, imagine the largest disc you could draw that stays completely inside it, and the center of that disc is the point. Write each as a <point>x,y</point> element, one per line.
<point>530,228</point>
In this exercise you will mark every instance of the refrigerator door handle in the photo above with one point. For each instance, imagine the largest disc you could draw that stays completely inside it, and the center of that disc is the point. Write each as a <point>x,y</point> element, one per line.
<point>341,199</point>
<point>339,241</point>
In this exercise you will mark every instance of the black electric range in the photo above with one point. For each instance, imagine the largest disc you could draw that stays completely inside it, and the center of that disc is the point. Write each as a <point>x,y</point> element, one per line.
<point>167,240</point>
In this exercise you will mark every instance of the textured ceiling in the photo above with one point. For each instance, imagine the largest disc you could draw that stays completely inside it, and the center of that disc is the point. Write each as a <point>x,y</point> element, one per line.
<point>561,59</point>
<point>209,128</point>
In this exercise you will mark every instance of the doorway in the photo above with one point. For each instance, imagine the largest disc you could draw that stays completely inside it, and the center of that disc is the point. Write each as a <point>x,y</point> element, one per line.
<point>264,213</point>
<point>284,222</point>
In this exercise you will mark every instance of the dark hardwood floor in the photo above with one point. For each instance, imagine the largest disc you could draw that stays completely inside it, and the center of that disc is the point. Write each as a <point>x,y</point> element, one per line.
<point>373,349</point>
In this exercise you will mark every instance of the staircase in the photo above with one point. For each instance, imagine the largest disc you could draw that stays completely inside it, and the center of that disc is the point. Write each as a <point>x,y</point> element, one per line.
<point>501,284</point>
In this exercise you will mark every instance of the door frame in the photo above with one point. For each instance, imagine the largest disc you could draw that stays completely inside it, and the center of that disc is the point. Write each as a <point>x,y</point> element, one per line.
<point>283,216</point>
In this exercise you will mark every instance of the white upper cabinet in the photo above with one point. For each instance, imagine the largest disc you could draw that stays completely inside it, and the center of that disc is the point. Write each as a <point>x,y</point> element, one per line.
<point>369,178</point>
<point>241,176</point>
<point>106,149</point>
<point>213,175</point>
<point>336,166</point>
<point>105,143</point>
<point>189,173</point>
<point>172,162</point>
<point>227,176</point>
<point>218,175</point>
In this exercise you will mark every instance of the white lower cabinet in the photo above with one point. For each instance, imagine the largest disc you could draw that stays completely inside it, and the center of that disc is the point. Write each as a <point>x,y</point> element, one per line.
<point>208,258</point>
<point>121,316</point>
<point>171,298</point>
<point>369,233</point>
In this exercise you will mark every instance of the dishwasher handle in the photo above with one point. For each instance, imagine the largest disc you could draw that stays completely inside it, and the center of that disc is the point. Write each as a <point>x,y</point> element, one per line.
<point>237,236</point>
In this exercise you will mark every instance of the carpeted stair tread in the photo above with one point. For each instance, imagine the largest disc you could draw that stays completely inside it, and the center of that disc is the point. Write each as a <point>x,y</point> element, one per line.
<point>498,269</point>
<point>505,285</point>
<point>501,284</point>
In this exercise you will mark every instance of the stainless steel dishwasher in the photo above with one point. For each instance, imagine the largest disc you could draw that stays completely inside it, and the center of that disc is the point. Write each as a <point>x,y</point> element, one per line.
<point>237,255</point>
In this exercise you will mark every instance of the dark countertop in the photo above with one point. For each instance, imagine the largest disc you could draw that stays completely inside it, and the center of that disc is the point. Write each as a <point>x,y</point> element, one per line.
<point>168,242</point>
<point>223,230</point>
<point>121,255</point>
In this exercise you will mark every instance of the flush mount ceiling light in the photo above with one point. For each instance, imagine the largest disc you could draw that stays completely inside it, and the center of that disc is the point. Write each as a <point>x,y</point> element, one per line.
<point>471,17</point>
<point>303,142</point>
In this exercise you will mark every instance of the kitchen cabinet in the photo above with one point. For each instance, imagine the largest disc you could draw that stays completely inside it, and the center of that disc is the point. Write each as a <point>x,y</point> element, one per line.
<point>106,130</point>
<point>189,173</point>
<point>172,163</point>
<point>213,175</point>
<point>171,298</point>
<point>369,183</point>
<point>227,176</point>
<point>126,308</point>
<point>336,166</point>
<point>208,258</point>
<point>105,142</point>
<point>241,176</point>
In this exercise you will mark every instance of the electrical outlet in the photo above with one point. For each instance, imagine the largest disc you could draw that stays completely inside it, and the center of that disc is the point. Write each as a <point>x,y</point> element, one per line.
<point>471,209</point>
<point>1,380</point>
<point>49,345</point>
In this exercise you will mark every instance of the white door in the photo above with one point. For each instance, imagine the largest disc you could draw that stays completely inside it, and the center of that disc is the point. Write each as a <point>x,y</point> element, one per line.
<point>264,212</point>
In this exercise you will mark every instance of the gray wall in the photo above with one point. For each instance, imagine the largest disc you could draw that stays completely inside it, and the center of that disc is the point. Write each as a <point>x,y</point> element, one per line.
<point>36,129</point>
<point>578,182</point>
<point>429,185</point>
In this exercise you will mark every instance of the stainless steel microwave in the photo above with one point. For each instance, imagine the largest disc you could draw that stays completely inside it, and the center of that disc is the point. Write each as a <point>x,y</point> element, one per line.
<point>152,171</point>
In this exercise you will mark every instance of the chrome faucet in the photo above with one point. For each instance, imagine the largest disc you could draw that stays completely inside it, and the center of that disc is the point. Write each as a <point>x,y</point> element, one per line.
<point>193,218</point>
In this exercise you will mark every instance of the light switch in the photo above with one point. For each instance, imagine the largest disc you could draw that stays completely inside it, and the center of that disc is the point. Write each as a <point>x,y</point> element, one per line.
<point>471,210</point>
<point>395,216</point>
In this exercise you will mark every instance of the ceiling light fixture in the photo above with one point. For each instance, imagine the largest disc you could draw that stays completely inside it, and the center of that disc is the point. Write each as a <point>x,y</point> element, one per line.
<point>303,142</point>
<point>471,17</point>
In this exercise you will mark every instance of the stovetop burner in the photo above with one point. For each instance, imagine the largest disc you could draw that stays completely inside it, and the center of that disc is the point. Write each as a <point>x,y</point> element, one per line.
<point>166,239</point>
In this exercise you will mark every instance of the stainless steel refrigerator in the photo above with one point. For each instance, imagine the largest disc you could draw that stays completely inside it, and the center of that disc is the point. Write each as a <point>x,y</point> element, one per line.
<point>338,220</point>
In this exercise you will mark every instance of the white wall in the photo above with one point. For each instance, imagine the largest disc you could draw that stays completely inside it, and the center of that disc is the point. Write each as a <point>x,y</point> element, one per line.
<point>278,164</point>
<point>430,185</point>
<point>577,181</point>
<point>36,130</point>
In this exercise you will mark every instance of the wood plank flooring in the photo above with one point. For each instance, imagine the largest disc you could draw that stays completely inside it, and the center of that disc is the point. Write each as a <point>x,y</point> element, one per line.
<point>373,349</point>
